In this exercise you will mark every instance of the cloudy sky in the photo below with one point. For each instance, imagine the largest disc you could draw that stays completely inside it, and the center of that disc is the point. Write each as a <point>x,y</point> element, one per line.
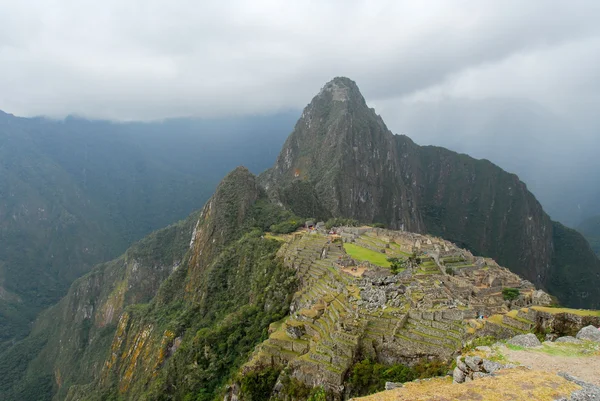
<point>512,81</point>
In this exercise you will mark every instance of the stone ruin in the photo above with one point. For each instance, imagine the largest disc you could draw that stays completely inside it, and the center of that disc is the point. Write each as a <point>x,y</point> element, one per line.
<point>392,318</point>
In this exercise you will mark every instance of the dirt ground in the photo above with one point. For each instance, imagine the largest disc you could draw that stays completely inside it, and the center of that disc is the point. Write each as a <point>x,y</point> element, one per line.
<point>586,368</point>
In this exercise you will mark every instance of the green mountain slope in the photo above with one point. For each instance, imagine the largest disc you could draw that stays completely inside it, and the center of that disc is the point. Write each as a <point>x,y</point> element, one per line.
<point>590,228</point>
<point>114,331</point>
<point>74,193</point>
<point>341,160</point>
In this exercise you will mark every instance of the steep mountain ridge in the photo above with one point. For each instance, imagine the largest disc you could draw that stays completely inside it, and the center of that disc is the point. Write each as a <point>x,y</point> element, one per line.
<point>342,161</point>
<point>119,323</point>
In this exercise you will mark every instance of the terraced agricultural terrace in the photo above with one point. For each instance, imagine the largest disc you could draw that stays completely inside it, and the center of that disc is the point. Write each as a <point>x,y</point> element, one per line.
<point>351,306</point>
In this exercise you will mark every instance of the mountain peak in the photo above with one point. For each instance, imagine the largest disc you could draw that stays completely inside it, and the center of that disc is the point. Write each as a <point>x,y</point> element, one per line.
<point>341,89</point>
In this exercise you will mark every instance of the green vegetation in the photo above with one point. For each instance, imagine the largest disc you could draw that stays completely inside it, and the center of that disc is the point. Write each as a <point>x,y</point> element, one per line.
<point>510,294</point>
<point>478,342</point>
<point>368,377</point>
<point>584,349</point>
<point>294,389</point>
<point>286,227</point>
<point>258,385</point>
<point>300,197</point>
<point>397,264</point>
<point>364,254</point>
<point>76,193</point>
<point>223,303</point>
<point>230,322</point>
<point>318,394</point>
<point>62,341</point>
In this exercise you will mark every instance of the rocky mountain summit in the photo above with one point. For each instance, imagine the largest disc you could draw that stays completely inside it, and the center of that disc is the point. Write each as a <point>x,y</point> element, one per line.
<point>342,161</point>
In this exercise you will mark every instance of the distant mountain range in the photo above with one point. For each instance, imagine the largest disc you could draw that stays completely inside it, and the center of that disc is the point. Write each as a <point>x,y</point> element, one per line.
<point>74,193</point>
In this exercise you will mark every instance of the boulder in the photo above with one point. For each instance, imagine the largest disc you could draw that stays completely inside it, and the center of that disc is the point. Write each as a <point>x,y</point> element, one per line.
<point>589,333</point>
<point>491,366</point>
<point>567,339</point>
<point>392,385</point>
<point>458,376</point>
<point>460,364</point>
<point>525,340</point>
<point>473,363</point>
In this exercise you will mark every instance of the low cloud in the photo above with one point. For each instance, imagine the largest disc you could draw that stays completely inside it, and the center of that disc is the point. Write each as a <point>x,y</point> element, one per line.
<point>522,77</point>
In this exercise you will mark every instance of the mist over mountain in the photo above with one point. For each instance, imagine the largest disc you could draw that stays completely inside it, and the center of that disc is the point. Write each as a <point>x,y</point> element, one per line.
<point>76,192</point>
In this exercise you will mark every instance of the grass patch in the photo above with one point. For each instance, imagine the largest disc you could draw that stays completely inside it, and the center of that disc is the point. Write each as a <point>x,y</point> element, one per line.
<point>279,238</point>
<point>364,254</point>
<point>587,348</point>
<point>514,314</point>
<point>580,312</point>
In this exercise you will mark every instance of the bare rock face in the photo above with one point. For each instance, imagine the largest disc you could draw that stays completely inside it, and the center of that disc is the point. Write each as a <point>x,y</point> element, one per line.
<point>525,340</point>
<point>589,333</point>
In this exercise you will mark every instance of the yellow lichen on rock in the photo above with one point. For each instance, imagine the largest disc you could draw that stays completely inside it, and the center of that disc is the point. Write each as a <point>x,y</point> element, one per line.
<point>165,343</point>
<point>131,357</point>
<point>117,342</point>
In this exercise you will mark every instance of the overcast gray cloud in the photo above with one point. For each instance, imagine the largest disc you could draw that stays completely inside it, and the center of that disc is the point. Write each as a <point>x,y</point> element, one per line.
<point>514,81</point>
<point>152,59</point>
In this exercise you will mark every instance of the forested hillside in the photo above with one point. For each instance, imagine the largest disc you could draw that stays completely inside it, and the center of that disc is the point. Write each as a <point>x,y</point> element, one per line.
<point>76,192</point>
